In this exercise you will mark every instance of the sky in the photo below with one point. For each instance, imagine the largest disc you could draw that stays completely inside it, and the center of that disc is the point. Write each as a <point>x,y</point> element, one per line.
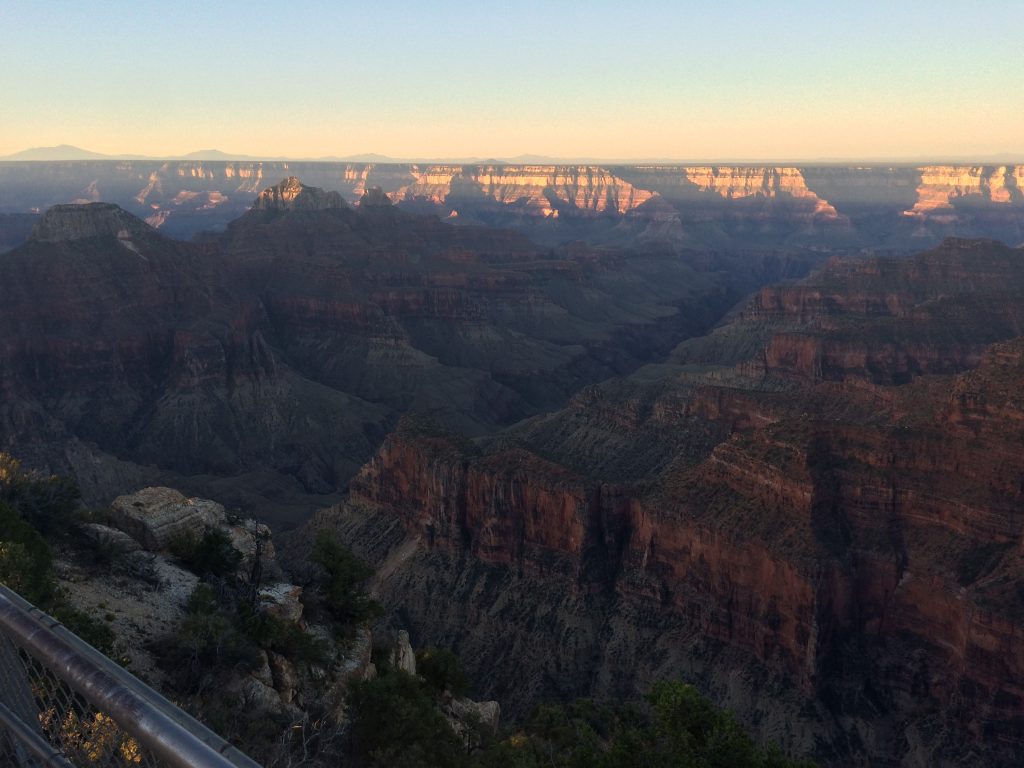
<point>717,79</point>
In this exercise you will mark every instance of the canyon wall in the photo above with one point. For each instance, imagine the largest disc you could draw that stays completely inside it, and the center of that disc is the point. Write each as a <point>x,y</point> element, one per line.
<point>820,527</point>
<point>734,206</point>
<point>264,365</point>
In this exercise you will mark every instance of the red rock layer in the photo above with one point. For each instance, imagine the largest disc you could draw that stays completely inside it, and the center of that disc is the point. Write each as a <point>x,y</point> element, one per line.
<point>893,524</point>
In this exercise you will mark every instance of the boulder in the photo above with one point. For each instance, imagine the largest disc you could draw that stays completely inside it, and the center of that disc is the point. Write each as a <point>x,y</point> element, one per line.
<point>467,717</point>
<point>402,656</point>
<point>355,663</point>
<point>248,537</point>
<point>262,672</point>
<point>155,517</point>
<point>284,676</point>
<point>103,535</point>
<point>282,601</point>
<point>255,696</point>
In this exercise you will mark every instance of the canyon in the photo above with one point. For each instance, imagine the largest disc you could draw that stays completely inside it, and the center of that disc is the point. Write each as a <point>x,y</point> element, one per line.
<point>594,427</point>
<point>816,505</point>
<point>851,207</point>
<point>263,366</point>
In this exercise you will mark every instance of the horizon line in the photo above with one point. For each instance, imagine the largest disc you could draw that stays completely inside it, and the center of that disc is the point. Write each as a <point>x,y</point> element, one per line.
<point>65,153</point>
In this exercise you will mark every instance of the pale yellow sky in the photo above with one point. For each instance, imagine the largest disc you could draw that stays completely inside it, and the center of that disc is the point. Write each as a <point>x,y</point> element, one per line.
<point>736,80</point>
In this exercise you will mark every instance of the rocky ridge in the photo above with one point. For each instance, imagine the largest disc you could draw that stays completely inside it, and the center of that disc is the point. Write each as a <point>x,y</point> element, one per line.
<point>78,222</point>
<point>876,207</point>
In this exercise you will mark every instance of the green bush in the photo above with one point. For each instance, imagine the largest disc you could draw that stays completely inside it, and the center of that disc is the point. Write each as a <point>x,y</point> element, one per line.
<point>26,563</point>
<point>341,585</point>
<point>48,503</point>
<point>202,601</point>
<point>95,633</point>
<point>212,554</point>
<point>205,644</point>
<point>395,722</point>
<point>679,728</point>
<point>440,670</point>
<point>284,637</point>
<point>223,632</point>
<point>26,566</point>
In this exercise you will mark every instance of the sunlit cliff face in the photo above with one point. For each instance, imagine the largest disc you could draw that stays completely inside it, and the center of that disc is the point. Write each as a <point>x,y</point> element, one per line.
<point>595,189</point>
<point>942,184</point>
<point>357,178</point>
<point>587,188</point>
<point>184,197</point>
<point>736,183</point>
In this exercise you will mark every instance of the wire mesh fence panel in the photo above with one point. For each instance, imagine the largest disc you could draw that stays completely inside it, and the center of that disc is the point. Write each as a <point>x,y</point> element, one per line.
<point>83,734</point>
<point>62,703</point>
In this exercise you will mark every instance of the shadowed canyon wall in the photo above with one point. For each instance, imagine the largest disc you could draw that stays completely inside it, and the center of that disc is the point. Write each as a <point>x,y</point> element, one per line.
<point>265,365</point>
<point>813,512</point>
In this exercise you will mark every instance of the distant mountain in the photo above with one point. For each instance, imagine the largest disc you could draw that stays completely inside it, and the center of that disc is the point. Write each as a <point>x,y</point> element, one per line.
<point>61,152</point>
<point>369,157</point>
<point>216,154</point>
<point>68,152</point>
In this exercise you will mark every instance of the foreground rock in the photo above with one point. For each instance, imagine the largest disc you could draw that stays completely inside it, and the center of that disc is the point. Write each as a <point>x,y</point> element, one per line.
<point>236,647</point>
<point>157,517</point>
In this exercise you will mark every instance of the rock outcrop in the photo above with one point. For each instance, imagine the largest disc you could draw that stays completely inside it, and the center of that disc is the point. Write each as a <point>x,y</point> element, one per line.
<point>539,190</point>
<point>402,655</point>
<point>147,599</point>
<point>943,186</point>
<point>104,537</point>
<point>157,517</point>
<point>374,197</point>
<point>292,195</point>
<point>79,222</point>
<point>882,319</point>
<point>283,601</point>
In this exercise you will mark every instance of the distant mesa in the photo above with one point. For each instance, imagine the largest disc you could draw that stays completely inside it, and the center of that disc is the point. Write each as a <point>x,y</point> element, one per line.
<point>374,197</point>
<point>81,221</point>
<point>61,152</point>
<point>292,195</point>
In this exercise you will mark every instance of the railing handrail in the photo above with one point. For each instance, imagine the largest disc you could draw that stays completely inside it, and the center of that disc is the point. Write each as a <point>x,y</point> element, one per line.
<point>155,722</point>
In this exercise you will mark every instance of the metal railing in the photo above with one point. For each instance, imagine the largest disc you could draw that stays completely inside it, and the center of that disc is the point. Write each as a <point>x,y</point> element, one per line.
<point>63,703</point>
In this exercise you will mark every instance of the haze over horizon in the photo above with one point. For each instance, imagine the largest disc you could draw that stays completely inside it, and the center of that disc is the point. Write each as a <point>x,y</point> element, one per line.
<point>794,81</point>
<point>71,153</point>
